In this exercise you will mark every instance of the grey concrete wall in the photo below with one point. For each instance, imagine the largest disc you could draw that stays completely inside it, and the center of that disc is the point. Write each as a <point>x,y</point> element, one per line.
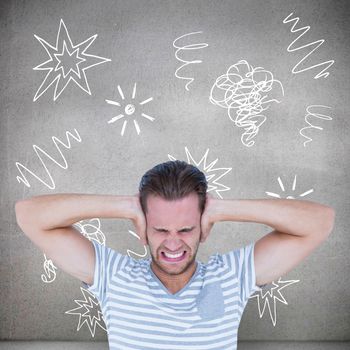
<point>137,38</point>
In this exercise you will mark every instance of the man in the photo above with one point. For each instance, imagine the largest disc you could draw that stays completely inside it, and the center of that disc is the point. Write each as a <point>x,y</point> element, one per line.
<point>172,301</point>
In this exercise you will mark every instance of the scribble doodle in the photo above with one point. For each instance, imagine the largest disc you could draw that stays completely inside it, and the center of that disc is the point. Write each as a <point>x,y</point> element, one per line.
<point>183,48</point>
<point>276,195</point>
<point>213,175</point>
<point>269,296</point>
<point>91,229</point>
<point>40,151</point>
<point>242,90</point>
<point>129,110</point>
<point>67,62</point>
<point>315,44</point>
<point>50,270</point>
<point>313,115</point>
<point>89,311</point>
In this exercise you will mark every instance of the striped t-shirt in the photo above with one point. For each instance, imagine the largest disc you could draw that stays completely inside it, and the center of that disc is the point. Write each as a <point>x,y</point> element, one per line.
<point>141,314</point>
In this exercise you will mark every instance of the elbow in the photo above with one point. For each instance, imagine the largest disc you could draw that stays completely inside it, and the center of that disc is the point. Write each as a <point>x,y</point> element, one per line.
<point>22,212</point>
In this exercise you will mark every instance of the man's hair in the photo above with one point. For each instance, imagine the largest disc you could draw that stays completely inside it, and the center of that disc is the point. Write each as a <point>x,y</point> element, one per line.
<point>173,180</point>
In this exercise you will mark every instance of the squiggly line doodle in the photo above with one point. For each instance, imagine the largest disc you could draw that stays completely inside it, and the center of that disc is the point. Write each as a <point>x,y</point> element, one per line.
<point>182,49</point>
<point>314,115</point>
<point>316,45</point>
<point>37,149</point>
<point>242,90</point>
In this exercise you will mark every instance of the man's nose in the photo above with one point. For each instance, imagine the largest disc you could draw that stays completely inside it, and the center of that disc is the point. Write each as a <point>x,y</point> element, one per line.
<point>173,243</point>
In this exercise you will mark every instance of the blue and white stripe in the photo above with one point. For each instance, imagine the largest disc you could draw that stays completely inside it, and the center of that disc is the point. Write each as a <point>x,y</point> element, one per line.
<point>141,314</point>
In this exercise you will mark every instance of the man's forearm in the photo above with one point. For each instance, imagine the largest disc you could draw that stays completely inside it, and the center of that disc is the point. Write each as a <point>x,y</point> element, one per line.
<point>296,217</point>
<point>60,210</point>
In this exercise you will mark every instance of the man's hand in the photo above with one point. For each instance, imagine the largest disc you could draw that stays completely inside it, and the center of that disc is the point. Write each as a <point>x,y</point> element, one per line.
<point>208,217</point>
<point>139,220</point>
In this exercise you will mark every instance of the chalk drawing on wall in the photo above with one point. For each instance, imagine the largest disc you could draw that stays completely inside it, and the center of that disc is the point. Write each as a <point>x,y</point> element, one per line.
<point>313,115</point>
<point>129,108</point>
<point>131,252</point>
<point>313,46</point>
<point>268,296</point>
<point>67,62</point>
<point>243,91</point>
<point>91,229</point>
<point>88,311</point>
<point>50,271</point>
<point>39,152</point>
<point>276,195</point>
<point>183,50</point>
<point>213,175</point>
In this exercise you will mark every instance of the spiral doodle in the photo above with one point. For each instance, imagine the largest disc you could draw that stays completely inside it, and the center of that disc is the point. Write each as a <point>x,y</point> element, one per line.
<point>308,116</point>
<point>186,63</point>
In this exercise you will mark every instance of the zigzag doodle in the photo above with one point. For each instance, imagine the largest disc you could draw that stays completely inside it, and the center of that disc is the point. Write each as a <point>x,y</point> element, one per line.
<point>316,45</point>
<point>37,149</point>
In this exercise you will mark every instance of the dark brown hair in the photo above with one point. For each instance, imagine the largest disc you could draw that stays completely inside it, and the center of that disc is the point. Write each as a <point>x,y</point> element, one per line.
<point>173,180</point>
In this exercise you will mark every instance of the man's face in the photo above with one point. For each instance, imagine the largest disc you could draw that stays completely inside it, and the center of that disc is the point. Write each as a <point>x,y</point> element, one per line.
<point>173,227</point>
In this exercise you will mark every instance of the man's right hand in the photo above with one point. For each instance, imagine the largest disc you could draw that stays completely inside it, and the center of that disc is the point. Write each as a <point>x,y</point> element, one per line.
<point>139,220</point>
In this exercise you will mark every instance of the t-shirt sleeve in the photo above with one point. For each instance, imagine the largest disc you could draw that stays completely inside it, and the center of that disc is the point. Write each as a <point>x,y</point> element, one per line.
<point>107,262</point>
<point>241,261</point>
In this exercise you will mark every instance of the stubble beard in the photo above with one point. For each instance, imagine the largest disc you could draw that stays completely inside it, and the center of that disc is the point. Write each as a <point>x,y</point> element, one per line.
<point>171,271</point>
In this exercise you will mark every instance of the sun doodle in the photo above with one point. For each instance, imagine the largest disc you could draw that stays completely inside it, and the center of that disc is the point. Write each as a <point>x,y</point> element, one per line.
<point>129,110</point>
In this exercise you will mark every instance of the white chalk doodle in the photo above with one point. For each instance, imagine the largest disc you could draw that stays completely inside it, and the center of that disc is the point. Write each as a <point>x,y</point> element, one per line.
<point>91,229</point>
<point>272,194</point>
<point>50,271</point>
<point>243,92</point>
<point>129,110</point>
<point>181,50</point>
<point>131,252</point>
<point>315,44</point>
<point>89,312</point>
<point>67,62</point>
<point>40,151</point>
<point>213,175</point>
<point>313,115</point>
<point>269,295</point>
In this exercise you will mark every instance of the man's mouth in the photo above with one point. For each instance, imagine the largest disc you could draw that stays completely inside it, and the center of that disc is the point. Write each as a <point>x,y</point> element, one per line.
<point>173,257</point>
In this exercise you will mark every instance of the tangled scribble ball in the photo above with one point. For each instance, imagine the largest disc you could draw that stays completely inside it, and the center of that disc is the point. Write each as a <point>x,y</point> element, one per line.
<point>243,90</point>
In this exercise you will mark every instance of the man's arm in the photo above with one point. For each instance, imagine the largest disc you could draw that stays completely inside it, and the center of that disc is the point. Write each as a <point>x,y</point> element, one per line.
<point>47,221</point>
<point>299,228</point>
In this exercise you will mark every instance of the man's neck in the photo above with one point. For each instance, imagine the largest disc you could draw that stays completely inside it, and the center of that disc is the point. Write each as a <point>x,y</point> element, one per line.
<point>174,283</point>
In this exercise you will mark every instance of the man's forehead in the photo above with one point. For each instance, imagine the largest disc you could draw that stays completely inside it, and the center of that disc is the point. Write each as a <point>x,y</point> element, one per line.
<point>187,201</point>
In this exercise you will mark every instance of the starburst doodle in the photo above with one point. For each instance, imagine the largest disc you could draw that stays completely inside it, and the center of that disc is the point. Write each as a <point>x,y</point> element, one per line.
<point>276,195</point>
<point>212,174</point>
<point>88,311</point>
<point>269,296</point>
<point>67,62</point>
